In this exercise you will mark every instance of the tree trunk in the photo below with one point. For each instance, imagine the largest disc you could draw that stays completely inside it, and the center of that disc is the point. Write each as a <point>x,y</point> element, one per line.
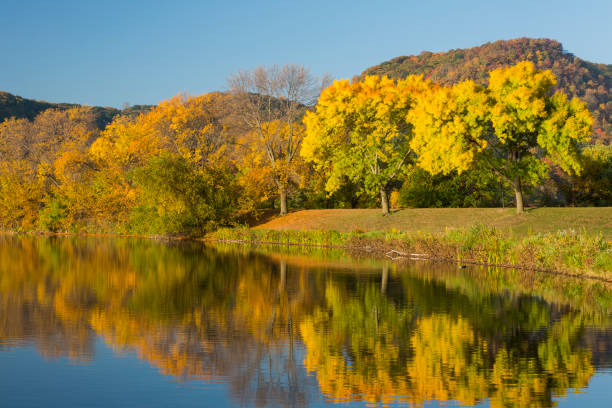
<point>385,278</point>
<point>518,193</point>
<point>384,201</point>
<point>283,275</point>
<point>283,200</point>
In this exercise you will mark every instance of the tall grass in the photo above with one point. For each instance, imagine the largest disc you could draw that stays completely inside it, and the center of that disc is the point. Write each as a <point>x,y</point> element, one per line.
<point>564,251</point>
<point>327,238</point>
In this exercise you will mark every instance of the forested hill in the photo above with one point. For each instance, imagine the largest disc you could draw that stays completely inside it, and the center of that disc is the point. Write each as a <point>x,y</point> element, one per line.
<point>18,107</point>
<point>589,81</point>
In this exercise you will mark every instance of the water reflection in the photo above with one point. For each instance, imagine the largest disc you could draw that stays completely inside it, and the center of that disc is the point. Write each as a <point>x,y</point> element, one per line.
<point>280,328</point>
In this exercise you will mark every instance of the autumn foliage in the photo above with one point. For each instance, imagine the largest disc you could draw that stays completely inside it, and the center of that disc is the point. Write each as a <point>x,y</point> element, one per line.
<point>591,82</point>
<point>194,163</point>
<point>508,127</point>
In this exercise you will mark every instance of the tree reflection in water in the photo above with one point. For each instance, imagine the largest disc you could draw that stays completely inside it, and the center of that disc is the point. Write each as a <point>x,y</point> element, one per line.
<point>281,328</point>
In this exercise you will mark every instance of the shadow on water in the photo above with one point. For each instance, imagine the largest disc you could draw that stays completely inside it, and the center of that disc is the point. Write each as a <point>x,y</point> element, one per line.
<point>289,326</point>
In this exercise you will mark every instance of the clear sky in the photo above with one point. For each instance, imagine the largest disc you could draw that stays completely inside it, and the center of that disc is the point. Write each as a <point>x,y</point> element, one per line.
<point>107,52</point>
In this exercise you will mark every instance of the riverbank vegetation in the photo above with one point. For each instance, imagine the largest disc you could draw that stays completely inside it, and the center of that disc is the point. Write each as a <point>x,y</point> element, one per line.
<point>567,251</point>
<point>280,138</point>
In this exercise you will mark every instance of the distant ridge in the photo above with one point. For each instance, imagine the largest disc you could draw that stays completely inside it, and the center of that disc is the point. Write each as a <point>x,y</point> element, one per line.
<point>589,81</point>
<point>18,107</point>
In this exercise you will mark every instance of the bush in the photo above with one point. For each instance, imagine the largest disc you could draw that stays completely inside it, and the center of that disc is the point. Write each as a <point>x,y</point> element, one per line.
<point>473,188</point>
<point>53,216</point>
<point>175,197</point>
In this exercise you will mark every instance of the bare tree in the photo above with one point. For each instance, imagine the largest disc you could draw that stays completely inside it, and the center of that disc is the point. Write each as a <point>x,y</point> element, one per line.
<point>271,102</point>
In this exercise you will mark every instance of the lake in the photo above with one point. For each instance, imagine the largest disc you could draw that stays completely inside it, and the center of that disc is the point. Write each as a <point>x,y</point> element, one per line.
<point>122,322</point>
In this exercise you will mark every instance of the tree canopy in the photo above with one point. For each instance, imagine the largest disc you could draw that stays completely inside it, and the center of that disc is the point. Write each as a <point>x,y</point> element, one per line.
<point>193,163</point>
<point>576,77</point>
<point>508,127</point>
<point>359,130</point>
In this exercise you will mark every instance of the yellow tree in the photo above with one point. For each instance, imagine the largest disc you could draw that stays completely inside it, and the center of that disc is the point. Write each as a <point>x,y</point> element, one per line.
<point>508,127</point>
<point>20,189</point>
<point>65,139</point>
<point>154,162</point>
<point>266,161</point>
<point>191,127</point>
<point>359,131</point>
<point>35,156</point>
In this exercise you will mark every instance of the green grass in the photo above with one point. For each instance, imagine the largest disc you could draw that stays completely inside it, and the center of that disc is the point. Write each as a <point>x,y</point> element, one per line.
<point>591,220</point>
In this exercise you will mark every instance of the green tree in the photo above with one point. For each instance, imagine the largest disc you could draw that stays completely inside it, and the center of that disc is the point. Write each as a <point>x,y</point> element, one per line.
<point>593,187</point>
<point>175,197</point>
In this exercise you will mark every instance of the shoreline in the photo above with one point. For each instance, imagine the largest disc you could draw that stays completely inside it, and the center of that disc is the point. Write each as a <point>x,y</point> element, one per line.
<point>99,234</point>
<point>394,246</point>
<point>567,253</point>
<point>405,258</point>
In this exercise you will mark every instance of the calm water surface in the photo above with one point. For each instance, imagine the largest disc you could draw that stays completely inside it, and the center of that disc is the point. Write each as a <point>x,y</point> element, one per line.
<point>128,322</point>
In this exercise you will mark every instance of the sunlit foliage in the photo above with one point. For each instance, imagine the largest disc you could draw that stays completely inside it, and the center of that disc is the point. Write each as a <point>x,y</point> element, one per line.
<point>166,171</point>
<point>503,127</point>
<point>194,163</point>
<point>359,130</point>
<point>44,167</point>
<point>575,77</point>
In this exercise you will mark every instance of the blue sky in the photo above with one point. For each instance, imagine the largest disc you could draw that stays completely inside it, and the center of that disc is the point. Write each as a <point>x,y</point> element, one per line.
<point>109,52</point>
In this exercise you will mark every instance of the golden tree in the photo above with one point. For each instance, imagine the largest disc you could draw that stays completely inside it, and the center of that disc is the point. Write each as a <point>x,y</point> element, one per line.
<point>508,127</point>
<point>359,131</point>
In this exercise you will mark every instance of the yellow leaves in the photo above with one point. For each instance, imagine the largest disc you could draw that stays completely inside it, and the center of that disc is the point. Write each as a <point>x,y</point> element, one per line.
<point>359,130</point>
<point>119,142</point>
<point>455,126</point>
<point>187,126</point>
<point>316,137</point>
<point>38,157</point>
<point>569,124</point>
<point>269,158</point>
<point>520,93</point>
<point>126,141</point>
<point>361,107</point>
<point>20,195</point>
<point>69,165</point>
<point>448,127</point>
<point>523,75</point>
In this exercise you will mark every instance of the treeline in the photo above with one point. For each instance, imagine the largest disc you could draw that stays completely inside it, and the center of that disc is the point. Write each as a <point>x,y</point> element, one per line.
<point>281,137</point>
<point>13,106</point>
<point>576,77</point>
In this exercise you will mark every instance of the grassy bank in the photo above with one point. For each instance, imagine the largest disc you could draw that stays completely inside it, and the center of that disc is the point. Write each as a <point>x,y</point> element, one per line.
<point>593,220</point>
<point>567,251</point>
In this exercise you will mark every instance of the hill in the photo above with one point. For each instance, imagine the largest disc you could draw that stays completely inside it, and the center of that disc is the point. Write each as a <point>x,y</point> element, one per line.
<point>589,81</point>
<point>18,107</point>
